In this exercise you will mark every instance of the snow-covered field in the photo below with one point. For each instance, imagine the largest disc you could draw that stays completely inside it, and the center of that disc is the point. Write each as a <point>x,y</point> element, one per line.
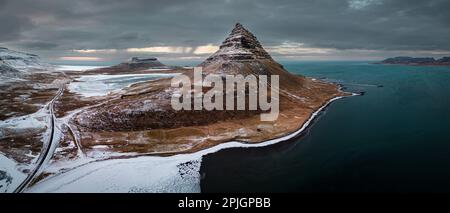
<point>99,85</point>
<point>10,176</point>
<point>27,124</point>
<point>10,170</point>
<point>141,174</point>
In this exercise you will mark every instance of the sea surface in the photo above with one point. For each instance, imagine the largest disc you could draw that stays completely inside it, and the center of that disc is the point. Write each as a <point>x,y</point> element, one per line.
<point>394,138</point>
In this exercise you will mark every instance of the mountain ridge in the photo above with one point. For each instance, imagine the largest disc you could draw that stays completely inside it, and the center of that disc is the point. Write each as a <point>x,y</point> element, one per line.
<point>424,61</point>
<point>14,63</point>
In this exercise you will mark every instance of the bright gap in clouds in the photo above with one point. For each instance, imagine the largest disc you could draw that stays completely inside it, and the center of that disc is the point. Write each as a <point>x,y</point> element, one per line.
<point>206,49</point>
<point>292,48</point>
<point>96,51</point>
<point>80,58</point>
<point>199,50</point>
<point>160,49</point>
<point>361,4</point>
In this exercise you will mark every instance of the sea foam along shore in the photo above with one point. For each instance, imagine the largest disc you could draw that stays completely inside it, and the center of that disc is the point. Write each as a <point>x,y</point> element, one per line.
<point>178,173</point>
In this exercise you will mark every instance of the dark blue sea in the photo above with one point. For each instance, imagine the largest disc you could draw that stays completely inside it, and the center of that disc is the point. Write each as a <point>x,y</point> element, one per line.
<point>394,138</point>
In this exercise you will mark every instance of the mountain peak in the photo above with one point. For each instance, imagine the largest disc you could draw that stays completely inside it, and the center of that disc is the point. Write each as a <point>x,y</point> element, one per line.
<point>239,28</point>
<point>240,45</point>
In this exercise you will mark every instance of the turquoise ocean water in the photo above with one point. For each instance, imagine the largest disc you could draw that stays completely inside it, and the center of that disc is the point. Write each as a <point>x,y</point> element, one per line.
<point>395,138</point>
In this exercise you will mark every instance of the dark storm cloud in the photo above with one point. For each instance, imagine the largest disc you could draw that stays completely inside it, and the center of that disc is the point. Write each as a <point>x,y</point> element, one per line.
<point>385,25</point>
<point>39,45</point>
<point>11,24</point>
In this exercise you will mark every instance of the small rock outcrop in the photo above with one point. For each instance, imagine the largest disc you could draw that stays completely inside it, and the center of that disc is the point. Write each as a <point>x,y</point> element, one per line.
<point>136,62</point>
<point>150,60</point>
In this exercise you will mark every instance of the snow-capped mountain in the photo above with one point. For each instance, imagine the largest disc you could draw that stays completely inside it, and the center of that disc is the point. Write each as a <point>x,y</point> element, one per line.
<point>13,63</point>
<point>241,45</point>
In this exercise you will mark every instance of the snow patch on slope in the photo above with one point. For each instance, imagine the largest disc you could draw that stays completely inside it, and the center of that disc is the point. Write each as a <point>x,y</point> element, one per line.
<point>10,176</point>
<point>23,62</point>
<point>32,123</point>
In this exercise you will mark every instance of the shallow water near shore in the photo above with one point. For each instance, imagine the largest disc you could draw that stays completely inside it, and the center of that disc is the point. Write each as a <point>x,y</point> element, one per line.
<point>395,138</point>
<point>99,85</point>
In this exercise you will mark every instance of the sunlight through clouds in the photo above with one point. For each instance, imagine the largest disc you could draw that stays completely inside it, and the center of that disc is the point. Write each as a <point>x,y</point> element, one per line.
<point>206,49</point>
<point>161,49</point>
<point>287,48</point>
<point>361,4</point>
<point>96,51</point>
<point>80,58</point>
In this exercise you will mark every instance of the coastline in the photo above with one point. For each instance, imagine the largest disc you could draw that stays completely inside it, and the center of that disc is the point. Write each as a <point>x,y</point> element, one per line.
<point>414,65</point>
<point>182,168</point>
<point>274,140</point>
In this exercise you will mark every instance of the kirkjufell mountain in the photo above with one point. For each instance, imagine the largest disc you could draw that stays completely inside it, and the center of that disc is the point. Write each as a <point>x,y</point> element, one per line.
<point>241,53</point>
<point>143,111</point>
<point>240,45</point>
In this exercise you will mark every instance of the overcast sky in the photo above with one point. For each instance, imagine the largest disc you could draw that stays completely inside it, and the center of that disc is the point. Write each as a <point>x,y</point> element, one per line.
<point>113,30</point>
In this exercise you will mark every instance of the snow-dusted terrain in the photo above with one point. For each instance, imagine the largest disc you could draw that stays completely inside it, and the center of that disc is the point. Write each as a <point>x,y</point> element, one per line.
<point>103,144</point>
<point>14,65</point>
<point>24,125</point>
<point>178,173</point>
<point>22,62</point>
<point>11,174</point>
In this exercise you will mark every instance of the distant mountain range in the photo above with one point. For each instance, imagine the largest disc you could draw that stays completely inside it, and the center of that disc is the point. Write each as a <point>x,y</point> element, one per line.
<point>425,61</point>
<point>14,63</point>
